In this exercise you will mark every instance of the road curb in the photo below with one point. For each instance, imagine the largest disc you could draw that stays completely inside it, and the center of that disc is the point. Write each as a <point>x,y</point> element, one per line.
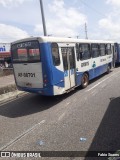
<point>8,88</point>
<point>10,95</point>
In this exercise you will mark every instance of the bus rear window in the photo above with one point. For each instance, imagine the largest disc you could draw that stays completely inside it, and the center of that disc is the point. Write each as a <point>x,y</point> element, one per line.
<point>34,54</point>
<point>22,54</point>
<point>26,52</point>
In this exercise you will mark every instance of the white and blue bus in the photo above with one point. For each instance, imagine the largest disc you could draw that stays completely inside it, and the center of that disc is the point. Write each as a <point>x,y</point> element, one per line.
<point>54,66</point>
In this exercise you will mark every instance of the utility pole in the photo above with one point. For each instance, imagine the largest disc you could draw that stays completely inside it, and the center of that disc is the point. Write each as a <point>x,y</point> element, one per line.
<point>43,18</point>
<point>86,31</point>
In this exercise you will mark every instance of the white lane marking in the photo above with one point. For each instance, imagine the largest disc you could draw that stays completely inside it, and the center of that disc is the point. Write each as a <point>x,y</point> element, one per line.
<point>21,136</point>
<point>102,81</point>
<point>93,87</point>
<point>61,116</point>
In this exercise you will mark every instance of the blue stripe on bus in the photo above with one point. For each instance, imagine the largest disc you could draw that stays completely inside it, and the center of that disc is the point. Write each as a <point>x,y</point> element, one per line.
<point>93,73</point>
<point>97,71</point>
<point>46,91</point>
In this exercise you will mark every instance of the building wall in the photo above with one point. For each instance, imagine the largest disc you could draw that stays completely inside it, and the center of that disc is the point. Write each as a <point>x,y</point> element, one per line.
<point>4,50</point>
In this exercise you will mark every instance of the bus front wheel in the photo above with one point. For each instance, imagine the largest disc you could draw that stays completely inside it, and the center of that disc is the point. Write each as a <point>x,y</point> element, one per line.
<point>84,80</point>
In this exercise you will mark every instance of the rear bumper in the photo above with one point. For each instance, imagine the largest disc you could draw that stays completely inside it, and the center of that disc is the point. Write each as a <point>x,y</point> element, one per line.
<point>42,91</point>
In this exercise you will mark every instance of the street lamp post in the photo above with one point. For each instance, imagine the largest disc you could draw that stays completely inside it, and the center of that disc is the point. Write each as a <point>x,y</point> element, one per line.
<point>43,18</point>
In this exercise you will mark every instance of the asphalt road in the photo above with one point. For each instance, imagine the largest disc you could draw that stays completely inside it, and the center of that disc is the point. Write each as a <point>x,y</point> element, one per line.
<point>37,123</point>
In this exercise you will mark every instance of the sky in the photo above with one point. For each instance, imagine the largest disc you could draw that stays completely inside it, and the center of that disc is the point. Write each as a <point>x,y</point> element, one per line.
<point>64,18</point>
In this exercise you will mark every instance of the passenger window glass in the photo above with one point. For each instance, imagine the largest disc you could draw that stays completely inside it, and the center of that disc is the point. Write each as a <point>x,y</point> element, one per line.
<point>64,56</point>
<point>84,51</point>
<point>55,54</point>
<point>71,57</point>
<point>22,54</point>
<point>102,49</point>
<point>108,49</point>
<point>34,54</point>
<point>95,50</point>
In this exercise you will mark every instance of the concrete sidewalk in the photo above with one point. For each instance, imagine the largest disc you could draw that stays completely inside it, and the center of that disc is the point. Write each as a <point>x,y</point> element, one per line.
<point>7,84</point>
<point>8,88</point>
<point>6,80</point>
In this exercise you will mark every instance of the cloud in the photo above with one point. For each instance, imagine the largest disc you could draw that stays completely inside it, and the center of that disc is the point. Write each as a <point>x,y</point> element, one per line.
<point>110,28</point>
<point>38,29</point>
<point>64,21</point>
<point>10,3</point>
<point>109,25</point>
<point>10,33</point>
<point>115,3</point>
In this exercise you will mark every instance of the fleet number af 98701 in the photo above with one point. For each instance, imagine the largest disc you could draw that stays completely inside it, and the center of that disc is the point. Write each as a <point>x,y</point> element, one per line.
<point>26,74</point>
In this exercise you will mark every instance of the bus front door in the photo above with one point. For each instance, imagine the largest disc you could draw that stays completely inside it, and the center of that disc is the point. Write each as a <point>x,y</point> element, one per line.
<point>68,66</point>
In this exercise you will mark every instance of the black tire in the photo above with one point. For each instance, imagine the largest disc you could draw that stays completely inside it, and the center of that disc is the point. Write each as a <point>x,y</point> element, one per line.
<point>84,80</point>
<point>108,69</point>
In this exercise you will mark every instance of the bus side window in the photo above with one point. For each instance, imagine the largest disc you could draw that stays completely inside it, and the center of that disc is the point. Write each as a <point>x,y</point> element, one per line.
<point>108,49</point>
<point>55,54</point>
<point>95,50</point>
<point>84,50</point>
<point>102,49</point>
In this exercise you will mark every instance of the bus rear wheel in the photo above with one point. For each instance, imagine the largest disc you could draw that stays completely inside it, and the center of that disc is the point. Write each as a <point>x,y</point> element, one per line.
<point>84,80</point>
<point>108,69</point>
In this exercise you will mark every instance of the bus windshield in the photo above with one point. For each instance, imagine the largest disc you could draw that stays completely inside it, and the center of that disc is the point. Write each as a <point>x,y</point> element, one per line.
<point>25,52</point>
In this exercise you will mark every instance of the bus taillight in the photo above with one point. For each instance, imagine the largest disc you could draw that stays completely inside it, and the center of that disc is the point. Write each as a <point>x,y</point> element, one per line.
<point>45,81</point>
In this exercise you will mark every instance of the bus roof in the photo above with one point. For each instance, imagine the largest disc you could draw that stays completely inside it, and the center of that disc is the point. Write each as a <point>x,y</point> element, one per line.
<point>61,39</point>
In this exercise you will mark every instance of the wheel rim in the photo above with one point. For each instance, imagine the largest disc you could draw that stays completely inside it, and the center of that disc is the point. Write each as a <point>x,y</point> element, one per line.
<point>85,80</point>
<point>108,69</point>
